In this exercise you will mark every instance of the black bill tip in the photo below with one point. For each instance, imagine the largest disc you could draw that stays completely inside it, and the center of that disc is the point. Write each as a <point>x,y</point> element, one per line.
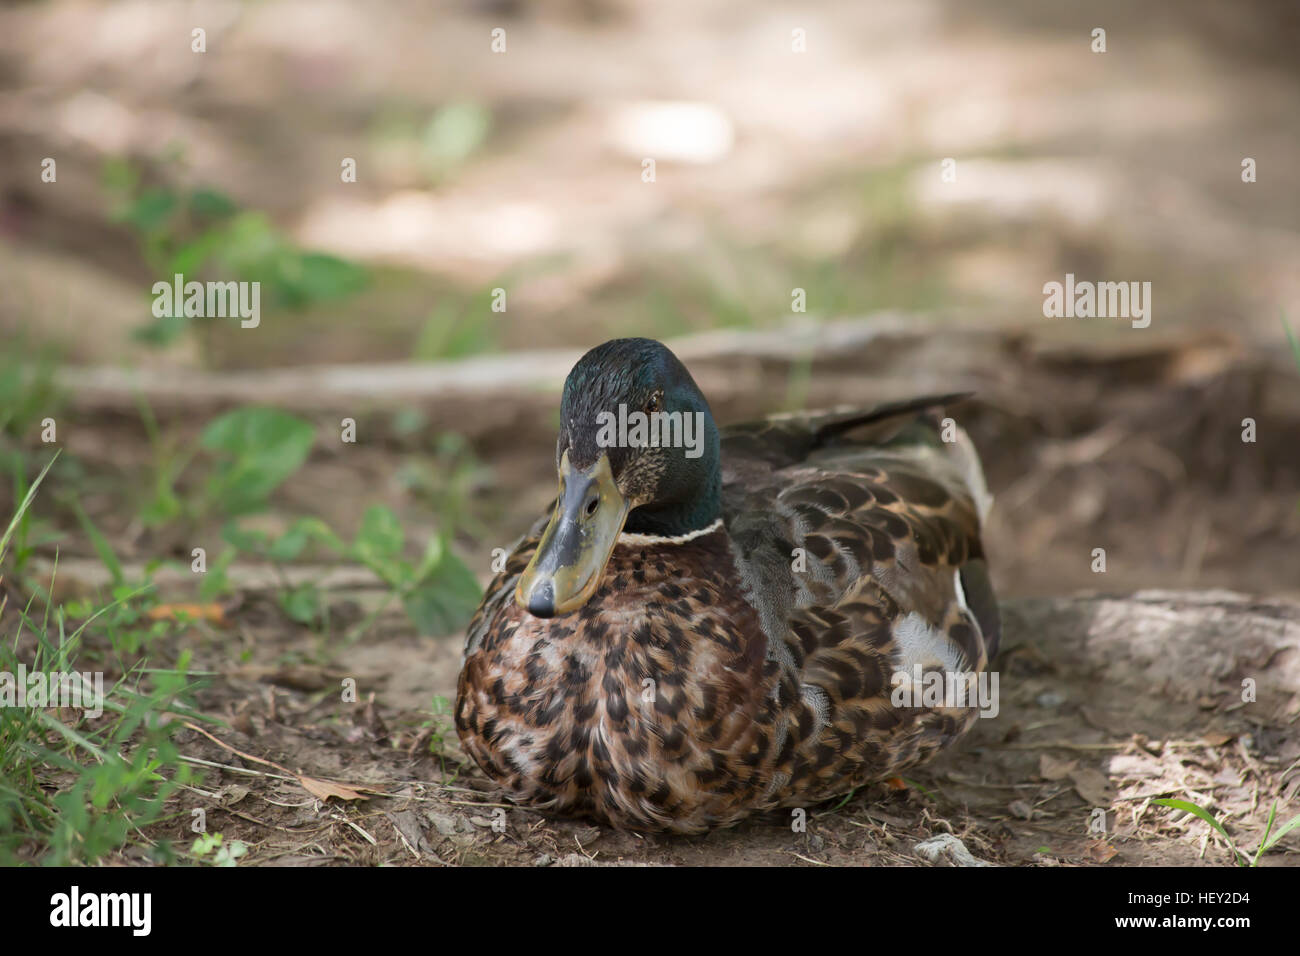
<point>541,603</point>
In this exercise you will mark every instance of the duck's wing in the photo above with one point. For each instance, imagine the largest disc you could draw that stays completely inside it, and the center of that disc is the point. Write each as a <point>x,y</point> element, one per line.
<point>828,510</point>
<point>857,538</point>
<point>780,441</point>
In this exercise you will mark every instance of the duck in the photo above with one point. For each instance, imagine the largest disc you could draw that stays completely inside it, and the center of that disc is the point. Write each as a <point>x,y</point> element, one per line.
<point>710,623</point>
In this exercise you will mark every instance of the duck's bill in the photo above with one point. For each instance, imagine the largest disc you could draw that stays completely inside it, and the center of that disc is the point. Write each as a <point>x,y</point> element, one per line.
<point>576,545</point>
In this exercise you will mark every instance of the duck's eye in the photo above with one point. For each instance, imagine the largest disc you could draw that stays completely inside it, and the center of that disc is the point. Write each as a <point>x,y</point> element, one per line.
<point>652,403</point>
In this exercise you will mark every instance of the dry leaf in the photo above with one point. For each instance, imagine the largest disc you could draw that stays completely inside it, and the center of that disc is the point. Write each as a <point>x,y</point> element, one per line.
<point>407,824</point>
<point>1138,766</point>
<point>1217,738</point>
<point>324,789</point>
<point>1103,720</point>
<point>1049,768</point>
<point>1021,809</point>
<point>1099,851</point>
<point>231,794</point>
<point>1093,786</point>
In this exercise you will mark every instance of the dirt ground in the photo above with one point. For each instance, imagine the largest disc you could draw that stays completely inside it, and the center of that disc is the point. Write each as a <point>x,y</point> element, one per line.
<point>1076,731</point>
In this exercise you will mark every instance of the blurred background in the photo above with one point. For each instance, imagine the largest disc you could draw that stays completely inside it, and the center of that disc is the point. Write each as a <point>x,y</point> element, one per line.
<point>501,220</point>
<point>776,169</point>
<point>792,151</point>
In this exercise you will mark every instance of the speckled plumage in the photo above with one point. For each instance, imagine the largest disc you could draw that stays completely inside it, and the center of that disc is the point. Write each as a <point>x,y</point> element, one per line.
<point>750,666</point>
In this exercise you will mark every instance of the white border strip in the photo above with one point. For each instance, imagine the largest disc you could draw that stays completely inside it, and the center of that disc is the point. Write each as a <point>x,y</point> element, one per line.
<point>643,539</point>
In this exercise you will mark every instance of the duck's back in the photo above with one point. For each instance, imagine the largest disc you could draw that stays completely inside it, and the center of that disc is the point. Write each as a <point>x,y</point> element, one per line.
<point>857,536</point>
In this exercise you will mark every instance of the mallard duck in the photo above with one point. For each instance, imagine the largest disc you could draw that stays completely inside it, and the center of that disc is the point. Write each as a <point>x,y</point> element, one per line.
<point>711,623</point>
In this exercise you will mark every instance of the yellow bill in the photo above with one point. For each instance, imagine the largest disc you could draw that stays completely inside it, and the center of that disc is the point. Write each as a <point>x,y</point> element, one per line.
<point>570,560</point>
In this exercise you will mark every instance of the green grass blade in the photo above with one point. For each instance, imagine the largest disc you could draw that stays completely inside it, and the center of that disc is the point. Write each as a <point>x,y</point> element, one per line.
<point>72,735</point>
<point>100,543</point>
<point>1268,828</point>
<point>1204,814</point>
<point>1291,337</point>
<point>26,503</point>
<point>1282,831</point>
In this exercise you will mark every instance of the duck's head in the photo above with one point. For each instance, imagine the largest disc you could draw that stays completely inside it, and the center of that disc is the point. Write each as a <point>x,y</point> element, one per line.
<point>637,451</point>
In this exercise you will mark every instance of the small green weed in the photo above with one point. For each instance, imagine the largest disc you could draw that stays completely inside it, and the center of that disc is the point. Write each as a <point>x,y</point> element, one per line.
<point>199,231</point>
<point>1269,840</point>
<point>226,854</point>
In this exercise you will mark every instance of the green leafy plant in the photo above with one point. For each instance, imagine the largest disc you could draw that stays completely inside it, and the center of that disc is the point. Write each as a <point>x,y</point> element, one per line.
<point>439,724</point>
<point>253,451</point>
<point>245,455</point>
<point>75,788</point>
<point>446,482</point>
<point>439,593</point>
<point>198,232</point>
<point>240,459</point>
<point>226,854</point>
<point>302,602</point>
<point>28,391</point>
<point>458,326</point>
<point>126,621</point>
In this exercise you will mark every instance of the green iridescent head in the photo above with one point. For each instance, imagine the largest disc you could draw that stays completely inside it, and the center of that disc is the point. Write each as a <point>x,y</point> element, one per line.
<point>638,451</point>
